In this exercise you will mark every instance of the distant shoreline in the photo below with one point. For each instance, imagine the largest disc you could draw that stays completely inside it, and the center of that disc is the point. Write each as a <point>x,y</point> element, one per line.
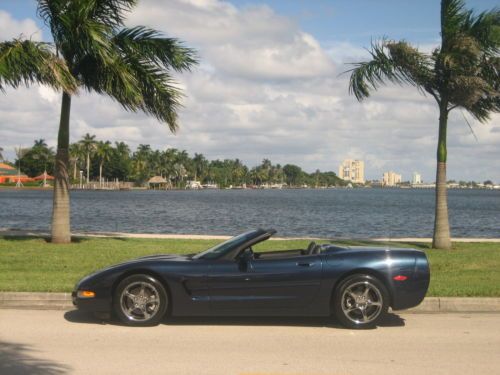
<point>39,188</point>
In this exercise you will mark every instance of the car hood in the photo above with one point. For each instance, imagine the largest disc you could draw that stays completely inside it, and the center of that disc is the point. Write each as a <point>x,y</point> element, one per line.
<point>174,258</point>
<point>169,257</point>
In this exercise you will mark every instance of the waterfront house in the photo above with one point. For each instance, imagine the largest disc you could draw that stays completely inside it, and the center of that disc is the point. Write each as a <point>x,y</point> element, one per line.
<point>10,174</point>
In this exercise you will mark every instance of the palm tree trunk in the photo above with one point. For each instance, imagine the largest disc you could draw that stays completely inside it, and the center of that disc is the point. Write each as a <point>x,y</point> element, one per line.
<point>88,167</point>
<point>100,175</point>
<point>441,238</point>
<point>61,232</point>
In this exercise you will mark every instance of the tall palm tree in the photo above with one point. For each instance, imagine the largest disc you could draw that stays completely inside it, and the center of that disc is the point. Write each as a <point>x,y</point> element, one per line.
<point>76,155</point>
<point>1,155</point>
<point>88,144</point>
<point>463,72</point>
<point>141,162</point>
<point>131,65</point>
<point>200,166</point>
<point>104,151</point>
<point>169,158</point>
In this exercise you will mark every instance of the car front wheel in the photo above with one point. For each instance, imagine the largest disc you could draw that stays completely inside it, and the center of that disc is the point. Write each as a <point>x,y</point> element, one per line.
<point>360,301</point>
<point>140,300</point>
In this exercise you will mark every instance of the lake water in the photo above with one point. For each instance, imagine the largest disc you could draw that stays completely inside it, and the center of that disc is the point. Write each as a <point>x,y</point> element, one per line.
<point>324,213</point>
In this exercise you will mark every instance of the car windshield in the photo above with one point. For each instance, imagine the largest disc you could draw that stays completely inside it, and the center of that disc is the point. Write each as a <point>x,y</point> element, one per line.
<point>225,246</point>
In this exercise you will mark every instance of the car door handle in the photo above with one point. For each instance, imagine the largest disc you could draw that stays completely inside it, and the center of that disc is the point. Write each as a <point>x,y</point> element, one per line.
<point>305,264</point>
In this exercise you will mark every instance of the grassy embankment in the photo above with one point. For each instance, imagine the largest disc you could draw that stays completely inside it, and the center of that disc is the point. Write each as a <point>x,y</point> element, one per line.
<point>33,264</point>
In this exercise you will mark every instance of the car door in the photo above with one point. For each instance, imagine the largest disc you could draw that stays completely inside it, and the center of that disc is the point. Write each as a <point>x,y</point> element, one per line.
<point>261,285</point>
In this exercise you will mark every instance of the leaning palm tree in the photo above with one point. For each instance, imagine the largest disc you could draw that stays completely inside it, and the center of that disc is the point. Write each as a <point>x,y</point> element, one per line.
<point>104,152</point>
<point>463,72</point>
<point>130,65</point>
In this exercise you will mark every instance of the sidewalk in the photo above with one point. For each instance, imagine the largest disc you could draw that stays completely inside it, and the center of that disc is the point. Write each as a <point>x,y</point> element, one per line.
<point>45,234</point>
<point>62,301</point>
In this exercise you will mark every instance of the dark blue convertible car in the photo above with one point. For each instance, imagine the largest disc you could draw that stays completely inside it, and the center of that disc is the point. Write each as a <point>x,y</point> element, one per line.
<point>355,284</point>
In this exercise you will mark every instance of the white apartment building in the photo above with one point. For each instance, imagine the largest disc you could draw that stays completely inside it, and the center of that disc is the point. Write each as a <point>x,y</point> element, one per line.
<point>417,178</point>
<point>352,170</point>
<point>391,179</point>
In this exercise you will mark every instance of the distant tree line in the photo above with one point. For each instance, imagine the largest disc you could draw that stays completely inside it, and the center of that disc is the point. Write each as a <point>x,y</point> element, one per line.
<point>103,160</point>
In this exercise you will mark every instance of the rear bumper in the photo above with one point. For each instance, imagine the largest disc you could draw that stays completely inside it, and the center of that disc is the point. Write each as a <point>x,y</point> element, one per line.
<point>411,293</point>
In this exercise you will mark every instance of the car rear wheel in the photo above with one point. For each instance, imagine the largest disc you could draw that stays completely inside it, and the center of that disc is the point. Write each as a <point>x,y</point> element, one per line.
<point>360,301</point>
<point>140,300</point>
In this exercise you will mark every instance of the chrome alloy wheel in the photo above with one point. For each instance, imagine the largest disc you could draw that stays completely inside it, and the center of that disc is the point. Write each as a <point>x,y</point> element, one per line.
<point>362,302</point>
<point>140,301</point>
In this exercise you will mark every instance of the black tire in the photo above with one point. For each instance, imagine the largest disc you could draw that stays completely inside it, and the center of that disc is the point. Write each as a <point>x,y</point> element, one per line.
<point>140,300</point>
<point>360,301</point>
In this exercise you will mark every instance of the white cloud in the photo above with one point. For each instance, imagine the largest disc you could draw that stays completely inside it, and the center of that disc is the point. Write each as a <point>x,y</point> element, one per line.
<point>252,43</point>
<point>12,28</point>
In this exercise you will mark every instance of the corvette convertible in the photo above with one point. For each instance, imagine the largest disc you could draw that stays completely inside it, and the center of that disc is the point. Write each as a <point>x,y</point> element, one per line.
<point>355,284</point>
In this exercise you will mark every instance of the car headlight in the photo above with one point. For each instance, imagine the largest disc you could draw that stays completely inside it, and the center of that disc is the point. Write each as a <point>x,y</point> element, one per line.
<point>85,294</point>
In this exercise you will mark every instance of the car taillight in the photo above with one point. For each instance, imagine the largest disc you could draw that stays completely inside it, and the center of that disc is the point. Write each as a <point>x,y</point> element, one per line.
<point>400,278</point>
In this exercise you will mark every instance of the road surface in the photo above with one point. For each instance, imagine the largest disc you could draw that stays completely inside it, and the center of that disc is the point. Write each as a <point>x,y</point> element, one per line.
<point>58,342</point>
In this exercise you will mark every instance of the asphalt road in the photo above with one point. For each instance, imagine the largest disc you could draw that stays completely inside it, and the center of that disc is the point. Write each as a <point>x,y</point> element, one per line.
<point>55,342</point>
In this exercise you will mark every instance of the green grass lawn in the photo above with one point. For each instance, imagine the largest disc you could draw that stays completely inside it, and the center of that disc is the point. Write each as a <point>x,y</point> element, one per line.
<point>33,264</point>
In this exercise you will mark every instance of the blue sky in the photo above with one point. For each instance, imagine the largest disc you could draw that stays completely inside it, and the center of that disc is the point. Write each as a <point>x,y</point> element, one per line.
<point>269,86</point>
<point>356,21</point>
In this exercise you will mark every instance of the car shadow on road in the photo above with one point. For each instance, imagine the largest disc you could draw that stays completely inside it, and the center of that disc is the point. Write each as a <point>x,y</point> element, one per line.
<point>391,320</point>
<point>17,359</point>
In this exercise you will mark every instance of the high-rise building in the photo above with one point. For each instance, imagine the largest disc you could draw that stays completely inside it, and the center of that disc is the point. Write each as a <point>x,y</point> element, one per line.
<point>391,179</point>
<point>352,170</point>
<point>417,178</point>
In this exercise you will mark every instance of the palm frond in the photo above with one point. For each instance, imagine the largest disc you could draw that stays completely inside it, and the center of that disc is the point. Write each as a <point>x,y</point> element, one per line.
<point>453,17</point>
<point>485,29</point>
<point>396,62</point>
<point>108,12</point>
<point>27,62</point>
<point>149,43</point>
<point>159,95</point>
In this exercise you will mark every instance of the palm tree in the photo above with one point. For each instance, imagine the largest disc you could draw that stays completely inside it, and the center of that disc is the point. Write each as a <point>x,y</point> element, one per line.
<point>88,144</point>
<point>463,72</point>
<point>40,143</point>
<point>131,65</point>
<point>141,162</point>
<point>76,155</point>
<point>122,149</point>
<point>1,155</point>
<point>169,158</point>
<point>41,151</point>
<point>104,151</point>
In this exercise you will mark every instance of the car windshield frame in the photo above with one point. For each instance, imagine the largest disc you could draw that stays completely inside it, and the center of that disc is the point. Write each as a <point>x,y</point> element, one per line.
<point>223,248</point>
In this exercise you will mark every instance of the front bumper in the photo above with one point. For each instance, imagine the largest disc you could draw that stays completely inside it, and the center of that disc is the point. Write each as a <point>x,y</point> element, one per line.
<point>99,303</point>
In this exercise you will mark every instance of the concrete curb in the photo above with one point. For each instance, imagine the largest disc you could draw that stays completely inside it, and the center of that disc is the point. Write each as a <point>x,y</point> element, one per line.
<point>457,304</point>
<point>45,234</point>
<point>62,301</point>
<point>35,301</point>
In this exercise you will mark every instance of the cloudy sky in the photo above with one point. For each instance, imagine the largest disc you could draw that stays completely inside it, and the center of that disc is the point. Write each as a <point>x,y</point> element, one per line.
<point>270,85</point>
